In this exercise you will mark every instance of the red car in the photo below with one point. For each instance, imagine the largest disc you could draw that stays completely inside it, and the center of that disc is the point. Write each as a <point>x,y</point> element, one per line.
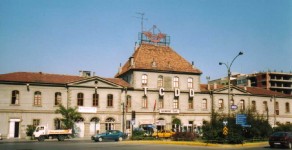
<point>282,139</point>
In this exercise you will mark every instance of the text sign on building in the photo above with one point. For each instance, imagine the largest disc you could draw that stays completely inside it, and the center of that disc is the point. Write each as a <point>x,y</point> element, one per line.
<point>241,119</point>
<point>87,109</point>
<point>169,111</point>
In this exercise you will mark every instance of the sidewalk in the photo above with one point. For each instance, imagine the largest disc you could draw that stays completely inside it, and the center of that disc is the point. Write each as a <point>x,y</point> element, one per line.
<point>194,143</point>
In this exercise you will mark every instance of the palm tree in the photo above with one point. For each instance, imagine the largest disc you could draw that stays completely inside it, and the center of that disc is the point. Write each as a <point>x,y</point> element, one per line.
<point>69,116</point>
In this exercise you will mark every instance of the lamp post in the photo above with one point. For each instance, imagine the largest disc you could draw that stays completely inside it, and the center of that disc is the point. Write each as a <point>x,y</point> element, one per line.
<point>229,75</point>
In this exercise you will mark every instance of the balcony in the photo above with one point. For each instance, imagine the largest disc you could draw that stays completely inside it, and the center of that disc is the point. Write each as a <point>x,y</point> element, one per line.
<point>281,80</point>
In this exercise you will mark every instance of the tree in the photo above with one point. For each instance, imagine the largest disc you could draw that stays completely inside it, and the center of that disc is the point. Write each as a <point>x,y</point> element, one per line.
<point>69,116</point>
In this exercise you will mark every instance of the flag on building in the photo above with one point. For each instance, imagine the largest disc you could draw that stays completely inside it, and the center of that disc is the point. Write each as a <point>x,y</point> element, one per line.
<point>154,107</point>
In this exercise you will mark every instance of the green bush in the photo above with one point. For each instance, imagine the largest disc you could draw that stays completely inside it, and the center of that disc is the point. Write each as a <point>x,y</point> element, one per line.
<point>29,130</point>
<point>184,136</point>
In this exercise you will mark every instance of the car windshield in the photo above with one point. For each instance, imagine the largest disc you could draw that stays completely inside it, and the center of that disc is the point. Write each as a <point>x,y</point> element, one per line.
<point>279,134</point>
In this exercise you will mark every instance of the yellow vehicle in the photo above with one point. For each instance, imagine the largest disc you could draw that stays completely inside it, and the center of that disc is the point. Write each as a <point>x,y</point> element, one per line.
<point>163,134</point>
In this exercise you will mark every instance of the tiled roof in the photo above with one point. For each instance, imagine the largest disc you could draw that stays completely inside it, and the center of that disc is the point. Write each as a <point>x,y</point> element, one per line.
<point>158,58</point>
<point>251,90</point>
<point>38,77</point>
<point>118,81</point>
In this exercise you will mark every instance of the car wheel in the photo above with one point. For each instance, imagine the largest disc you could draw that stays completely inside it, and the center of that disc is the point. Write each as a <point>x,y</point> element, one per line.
<point>61,138</point>
<point>41,138</point>
<point>290,145</point>
<point>100,139</point>
<point>120,139</point>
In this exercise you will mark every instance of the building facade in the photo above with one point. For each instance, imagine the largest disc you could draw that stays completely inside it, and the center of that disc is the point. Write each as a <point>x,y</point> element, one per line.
<point>156,82</point>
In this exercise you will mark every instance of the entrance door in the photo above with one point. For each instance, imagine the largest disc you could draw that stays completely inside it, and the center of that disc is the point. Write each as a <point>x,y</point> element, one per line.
<point>16,130</point>
<point>13,128</point>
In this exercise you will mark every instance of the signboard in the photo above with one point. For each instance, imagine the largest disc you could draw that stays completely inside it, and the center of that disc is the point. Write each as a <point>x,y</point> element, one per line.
<point>169,111</point>
<point>87,109</point>
<point>241,119</point>
<point>233,107</point>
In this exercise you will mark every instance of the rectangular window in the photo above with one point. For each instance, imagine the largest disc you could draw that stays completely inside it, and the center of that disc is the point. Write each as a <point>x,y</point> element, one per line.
<point>36,122</point>
<point>95,100</point>
<point>144,79</point>
<point>58,98</point>
<point>175,82</point>
<point>37,98</point>
<point>15,97</point>
<point>242,105</point>
<point>190,83</point>
<point>80,99</point>
<point>144,102</point>
<point>129,102</point>
<point>160,105</point>
<point>287,107</point>
<point>128,124</point>
<point>191,103</point>
<point>175,103</point>
<point>265,106</point>
<point>110,100</point>
<point>204,104</point>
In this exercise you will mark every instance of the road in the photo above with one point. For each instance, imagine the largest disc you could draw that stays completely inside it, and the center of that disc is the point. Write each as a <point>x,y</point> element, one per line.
<point>89,145</point>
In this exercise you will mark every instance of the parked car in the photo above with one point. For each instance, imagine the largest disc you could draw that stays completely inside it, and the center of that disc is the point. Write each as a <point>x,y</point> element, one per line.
<point>281,138</point>
<point>163,134</point>
<point>109,135</point>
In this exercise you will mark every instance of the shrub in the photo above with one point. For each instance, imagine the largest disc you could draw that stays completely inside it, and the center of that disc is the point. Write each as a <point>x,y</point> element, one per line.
<point>184,136</point>
<point>29,130</point>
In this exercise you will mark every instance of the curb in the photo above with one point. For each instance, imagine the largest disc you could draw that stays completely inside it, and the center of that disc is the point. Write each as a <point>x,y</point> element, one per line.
<point>196,143</point>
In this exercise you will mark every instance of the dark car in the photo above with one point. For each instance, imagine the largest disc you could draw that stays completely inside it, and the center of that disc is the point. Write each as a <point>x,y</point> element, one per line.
<point>282,139</point>
<point>109,135</point>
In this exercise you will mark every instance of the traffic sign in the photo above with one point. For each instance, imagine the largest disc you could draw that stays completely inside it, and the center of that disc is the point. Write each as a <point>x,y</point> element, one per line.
<point>241,119</point>
<point>225,131</point>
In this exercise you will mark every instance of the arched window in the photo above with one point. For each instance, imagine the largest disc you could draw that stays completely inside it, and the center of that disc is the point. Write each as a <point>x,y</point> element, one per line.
<point>204,104</point>
<point>37,98</point>
<point>287,106</point>
<point>221,104</point>
<point>277,108</point>
<point>144,79</point>
<point>80,99</point>
<point>129,102</point>
<point>175,82</point>
<point>110,100</point>
<point>15,97</point>
<point>253,105</point>
<point>109,124</point>
<point>190,83</point>
<point>58,98</point>
<point>242,105</point>
<point>160,81</point>
<point>95,100</point>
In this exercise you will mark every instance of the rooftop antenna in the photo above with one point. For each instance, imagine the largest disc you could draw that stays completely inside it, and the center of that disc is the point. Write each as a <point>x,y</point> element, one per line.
<point>142,19</point>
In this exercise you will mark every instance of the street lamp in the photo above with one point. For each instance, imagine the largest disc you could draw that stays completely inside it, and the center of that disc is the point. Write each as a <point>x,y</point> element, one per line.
<point>229,74</point>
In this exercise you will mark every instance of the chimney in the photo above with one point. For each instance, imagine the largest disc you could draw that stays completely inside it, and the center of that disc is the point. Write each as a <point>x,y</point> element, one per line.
<point>215,86</point>
<point>245,88</point>
<point>208,87</point>
<point>248,83</point>
<point>132,63</point>
<point>80,73</point>
<point>193,64</point>
<point>120,68</point>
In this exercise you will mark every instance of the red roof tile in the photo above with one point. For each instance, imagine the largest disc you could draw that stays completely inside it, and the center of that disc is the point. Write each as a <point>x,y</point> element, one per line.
<point>252,90</point>
<point>118,81</point>
<point>164,57</point>
<point>38,77</point>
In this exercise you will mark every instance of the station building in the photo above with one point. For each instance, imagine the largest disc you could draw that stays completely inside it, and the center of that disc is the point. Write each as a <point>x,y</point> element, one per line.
<point>155,82</point>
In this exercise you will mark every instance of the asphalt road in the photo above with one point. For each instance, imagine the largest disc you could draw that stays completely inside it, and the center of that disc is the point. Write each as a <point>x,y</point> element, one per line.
<point>89,145</point>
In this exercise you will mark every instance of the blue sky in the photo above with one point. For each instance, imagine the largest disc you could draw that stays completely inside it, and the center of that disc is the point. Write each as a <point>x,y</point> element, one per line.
<point>65,36</point>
